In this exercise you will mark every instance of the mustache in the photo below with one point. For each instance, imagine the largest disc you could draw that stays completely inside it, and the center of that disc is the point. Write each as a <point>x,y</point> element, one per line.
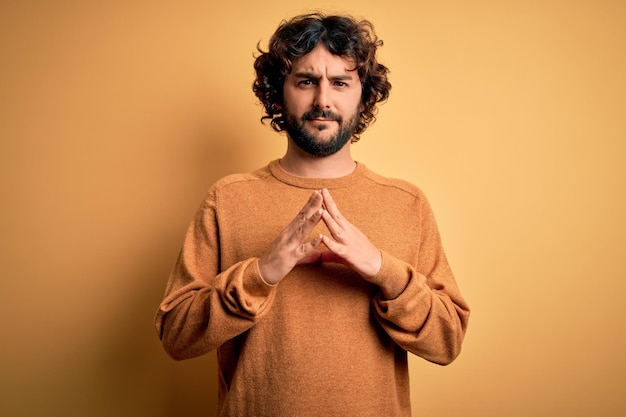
<point>324,114</point>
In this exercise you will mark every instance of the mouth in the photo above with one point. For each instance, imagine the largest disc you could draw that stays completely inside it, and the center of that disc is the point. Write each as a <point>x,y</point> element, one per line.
<point>321,120</point>
<point>322,117</point>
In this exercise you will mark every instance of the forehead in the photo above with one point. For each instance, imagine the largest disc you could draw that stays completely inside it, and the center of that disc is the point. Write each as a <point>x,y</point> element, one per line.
<point>320,61</point>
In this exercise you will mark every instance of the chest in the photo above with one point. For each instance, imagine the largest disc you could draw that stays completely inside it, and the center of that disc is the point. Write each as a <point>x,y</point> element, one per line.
<point>249,224</point>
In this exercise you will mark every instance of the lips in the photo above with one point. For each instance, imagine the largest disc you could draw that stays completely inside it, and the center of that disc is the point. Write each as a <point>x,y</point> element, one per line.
<point>322,116</point>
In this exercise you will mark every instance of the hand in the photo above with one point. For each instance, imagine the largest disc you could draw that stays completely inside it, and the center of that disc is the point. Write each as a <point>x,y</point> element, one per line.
<point>290,247</point>
<point>350,246</point>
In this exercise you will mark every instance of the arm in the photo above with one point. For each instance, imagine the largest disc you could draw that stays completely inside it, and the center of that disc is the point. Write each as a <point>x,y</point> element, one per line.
<point>429,317</point>
<point>419,306</point>
<point>203,306</point>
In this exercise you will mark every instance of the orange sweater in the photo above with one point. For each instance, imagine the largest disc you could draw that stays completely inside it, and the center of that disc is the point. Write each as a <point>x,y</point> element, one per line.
<point>322,342</point>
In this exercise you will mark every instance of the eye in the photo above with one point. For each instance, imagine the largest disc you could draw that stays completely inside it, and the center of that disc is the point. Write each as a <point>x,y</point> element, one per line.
<point>307,82</point>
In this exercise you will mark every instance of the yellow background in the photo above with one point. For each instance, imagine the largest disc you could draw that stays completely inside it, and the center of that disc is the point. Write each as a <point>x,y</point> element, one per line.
<point>116,117</point>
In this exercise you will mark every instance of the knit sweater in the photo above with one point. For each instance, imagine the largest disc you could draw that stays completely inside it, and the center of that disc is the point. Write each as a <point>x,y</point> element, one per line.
<point>323,341</point>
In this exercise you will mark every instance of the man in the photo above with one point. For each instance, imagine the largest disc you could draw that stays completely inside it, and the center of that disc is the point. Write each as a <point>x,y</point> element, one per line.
<point>313,276</point>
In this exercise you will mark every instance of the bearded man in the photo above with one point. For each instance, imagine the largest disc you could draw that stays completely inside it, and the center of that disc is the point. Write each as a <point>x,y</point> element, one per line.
<point>314,276</point>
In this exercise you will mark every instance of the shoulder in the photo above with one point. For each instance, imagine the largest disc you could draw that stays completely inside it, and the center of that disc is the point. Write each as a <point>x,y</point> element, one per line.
<point>401,195</point>
<point>394,185</point>
<point>242,178</point>
<point>236,185</point>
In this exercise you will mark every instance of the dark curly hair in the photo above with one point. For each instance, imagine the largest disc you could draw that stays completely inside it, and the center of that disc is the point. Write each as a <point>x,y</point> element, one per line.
<point>342,36</point>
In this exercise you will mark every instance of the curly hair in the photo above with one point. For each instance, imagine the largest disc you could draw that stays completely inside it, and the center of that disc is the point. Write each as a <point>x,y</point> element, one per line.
<point>342,36</point>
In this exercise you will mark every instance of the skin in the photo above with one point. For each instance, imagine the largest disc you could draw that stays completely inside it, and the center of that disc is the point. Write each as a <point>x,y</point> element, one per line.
<point>322,81</point>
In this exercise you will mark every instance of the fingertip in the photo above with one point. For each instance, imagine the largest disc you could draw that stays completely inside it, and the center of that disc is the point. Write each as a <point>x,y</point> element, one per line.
<point>327,195</point>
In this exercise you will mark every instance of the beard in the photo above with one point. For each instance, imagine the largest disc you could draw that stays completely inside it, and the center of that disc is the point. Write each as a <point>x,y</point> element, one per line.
<point>296,130</point>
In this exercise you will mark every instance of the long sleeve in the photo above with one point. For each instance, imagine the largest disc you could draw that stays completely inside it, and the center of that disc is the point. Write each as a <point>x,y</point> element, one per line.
<point>203,307</point>
<point>430,317</point>
<point>323,340</point>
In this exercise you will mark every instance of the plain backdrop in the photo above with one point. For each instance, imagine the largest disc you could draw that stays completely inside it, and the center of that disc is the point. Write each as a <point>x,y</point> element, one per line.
<point>117,116</point>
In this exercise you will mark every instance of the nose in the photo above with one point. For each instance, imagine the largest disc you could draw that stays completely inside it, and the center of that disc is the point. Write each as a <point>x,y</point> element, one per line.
<point>322,96</point>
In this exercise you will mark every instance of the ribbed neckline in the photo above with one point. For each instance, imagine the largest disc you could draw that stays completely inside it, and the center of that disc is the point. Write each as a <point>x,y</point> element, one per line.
<point>315,183</point>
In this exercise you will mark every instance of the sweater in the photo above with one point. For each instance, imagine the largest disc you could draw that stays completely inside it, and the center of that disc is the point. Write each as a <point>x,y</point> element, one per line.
<point>323,341</point>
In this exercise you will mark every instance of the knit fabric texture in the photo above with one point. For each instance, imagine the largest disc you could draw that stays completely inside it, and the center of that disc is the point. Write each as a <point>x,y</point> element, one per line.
<point>322,342</point>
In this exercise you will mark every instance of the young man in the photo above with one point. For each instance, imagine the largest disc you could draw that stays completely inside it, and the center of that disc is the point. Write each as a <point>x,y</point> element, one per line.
<point>313,276</point>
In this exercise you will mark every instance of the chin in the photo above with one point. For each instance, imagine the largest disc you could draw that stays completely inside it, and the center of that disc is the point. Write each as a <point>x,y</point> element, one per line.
<point>323,132</point>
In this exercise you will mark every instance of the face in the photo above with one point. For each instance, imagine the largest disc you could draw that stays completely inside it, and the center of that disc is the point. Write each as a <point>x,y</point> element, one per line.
<point>322,102</point>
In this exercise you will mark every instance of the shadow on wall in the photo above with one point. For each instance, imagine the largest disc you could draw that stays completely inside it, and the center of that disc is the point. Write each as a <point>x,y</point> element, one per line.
<point>136,376</point>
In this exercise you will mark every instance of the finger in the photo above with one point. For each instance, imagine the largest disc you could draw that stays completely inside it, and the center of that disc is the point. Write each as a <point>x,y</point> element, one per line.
<point>330,205</point>
<point>331,257</point>
<point>307,218</point>
<point>336,251</point>
<point>334,228</point>
<point>309,252</point>
<point>332,217</point>
<point>315,199</point>
<point>305,225</point>
<point>313,204</point>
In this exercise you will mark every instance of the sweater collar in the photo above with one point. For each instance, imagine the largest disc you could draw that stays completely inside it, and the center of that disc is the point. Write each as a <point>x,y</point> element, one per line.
<point>315,183</point>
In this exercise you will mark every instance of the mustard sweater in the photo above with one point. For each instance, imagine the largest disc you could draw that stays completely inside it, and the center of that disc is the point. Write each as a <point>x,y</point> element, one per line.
<point>322,342</point>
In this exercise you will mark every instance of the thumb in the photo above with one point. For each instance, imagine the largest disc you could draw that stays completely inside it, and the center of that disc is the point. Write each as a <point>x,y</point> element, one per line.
<point>309,252</point>
<point>332,257</point>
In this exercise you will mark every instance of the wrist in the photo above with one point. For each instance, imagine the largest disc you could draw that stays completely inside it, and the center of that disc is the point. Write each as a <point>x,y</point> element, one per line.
<point>267,274</point>
<point>390,283</point>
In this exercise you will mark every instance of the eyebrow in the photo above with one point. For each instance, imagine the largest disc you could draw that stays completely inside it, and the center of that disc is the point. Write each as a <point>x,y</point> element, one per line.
<point>310,75</point>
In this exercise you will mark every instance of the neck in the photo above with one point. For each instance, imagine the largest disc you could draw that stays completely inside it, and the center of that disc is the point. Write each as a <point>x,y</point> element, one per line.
<point>302,164</point>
